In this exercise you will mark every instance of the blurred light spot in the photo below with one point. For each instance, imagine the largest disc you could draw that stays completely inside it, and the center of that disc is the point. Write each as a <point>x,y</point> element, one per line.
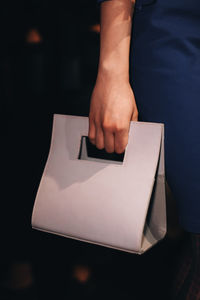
<point>33,37</point>
<point>81,273</point>
<point>95,28</point>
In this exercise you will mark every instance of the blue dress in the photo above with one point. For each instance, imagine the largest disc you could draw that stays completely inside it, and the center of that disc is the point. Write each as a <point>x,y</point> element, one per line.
<point>165,77</point>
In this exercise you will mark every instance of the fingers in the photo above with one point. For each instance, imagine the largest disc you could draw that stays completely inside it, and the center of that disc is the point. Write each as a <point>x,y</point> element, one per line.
<point>95,134</point>
<point>92,131</point>
<point>109,137</point>
<point>121,140</point>
<point>99,137</point>
<point>109,140</point>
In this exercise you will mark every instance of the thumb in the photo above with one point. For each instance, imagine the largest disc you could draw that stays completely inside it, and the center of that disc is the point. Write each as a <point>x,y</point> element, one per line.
<point>134,116</point>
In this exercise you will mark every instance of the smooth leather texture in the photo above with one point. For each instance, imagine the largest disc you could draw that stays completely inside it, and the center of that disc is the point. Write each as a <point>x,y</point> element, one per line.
<point>117,205</point>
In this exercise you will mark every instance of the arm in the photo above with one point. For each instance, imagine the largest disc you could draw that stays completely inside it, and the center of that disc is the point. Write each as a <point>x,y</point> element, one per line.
<point>113,104</point>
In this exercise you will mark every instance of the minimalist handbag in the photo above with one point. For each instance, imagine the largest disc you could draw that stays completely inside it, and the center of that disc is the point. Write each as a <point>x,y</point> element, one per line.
<point>114,203</point>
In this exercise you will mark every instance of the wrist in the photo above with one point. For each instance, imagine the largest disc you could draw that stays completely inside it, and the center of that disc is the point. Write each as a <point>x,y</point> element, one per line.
<point>113,70</point>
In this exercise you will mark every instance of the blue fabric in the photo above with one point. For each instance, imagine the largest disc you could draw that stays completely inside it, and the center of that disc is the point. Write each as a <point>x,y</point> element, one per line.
<point>165,77</point>
<point>99,1</point>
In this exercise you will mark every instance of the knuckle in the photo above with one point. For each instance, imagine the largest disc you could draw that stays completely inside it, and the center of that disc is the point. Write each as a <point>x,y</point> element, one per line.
<point>120,128</point>
<point>91,117</point>
<point>97,122</point>
<point>113,127</point>
<point>107,126</point>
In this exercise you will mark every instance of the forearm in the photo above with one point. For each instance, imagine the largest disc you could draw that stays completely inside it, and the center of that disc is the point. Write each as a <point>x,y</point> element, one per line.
<point>115,35</point>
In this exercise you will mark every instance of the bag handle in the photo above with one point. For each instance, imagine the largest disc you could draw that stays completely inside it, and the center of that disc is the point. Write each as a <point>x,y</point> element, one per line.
<point>142,150</point>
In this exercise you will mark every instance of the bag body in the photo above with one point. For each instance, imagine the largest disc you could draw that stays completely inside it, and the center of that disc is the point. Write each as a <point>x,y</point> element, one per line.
<point>115,204</point>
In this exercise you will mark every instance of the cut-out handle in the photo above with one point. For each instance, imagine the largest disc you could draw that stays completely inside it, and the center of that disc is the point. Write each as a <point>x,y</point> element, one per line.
<point>88,151</point>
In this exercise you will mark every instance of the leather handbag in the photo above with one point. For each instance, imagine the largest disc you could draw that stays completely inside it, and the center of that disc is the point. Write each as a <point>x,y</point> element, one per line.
<point>115,202</point>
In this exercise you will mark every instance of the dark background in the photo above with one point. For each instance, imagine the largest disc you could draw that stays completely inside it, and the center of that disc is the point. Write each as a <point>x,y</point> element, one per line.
<point>49,60</point>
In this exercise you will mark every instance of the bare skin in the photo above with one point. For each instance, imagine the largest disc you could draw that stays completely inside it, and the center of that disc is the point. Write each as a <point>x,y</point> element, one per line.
<point>113,105</point>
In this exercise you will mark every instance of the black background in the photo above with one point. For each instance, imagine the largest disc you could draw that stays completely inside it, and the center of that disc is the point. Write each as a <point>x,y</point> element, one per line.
<point>57,75</point>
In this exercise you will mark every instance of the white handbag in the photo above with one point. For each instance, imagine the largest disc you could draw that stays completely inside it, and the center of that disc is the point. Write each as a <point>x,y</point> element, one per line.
<point>117,204</point>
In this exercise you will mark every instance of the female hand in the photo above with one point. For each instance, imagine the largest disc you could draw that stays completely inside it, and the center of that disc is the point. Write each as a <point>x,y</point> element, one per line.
<point>112,108</point>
